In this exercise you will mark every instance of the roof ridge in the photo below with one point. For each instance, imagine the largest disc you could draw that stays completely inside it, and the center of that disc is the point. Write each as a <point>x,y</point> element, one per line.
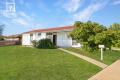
<point>52,28</point>
<point>55,27</point>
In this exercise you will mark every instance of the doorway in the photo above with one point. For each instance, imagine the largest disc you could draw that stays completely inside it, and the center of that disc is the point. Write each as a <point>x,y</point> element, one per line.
<point>55,39</point>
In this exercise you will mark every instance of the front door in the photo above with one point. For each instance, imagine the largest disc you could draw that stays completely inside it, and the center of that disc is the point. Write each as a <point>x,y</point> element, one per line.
<point>54,39</point>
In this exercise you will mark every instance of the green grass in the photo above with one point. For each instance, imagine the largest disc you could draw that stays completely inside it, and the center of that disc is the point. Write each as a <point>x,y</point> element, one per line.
<point>109,56</point>
<point>20,63</point>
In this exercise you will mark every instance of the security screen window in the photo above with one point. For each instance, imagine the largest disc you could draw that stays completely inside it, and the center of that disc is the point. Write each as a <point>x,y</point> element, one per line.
<point>39,34</point>
<point>31,37</point>
<point>49,33</point>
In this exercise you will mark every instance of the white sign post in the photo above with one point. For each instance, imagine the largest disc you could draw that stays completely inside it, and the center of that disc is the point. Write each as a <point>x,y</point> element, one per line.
<point>101,47</point>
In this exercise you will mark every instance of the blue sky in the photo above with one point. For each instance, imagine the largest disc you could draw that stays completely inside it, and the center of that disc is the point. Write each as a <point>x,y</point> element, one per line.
<point>38,14</point>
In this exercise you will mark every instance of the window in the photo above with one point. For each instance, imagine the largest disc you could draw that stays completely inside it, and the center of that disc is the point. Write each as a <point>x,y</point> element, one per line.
<point>49,33</point>
<point>39,34</point>
<point>31,37</point>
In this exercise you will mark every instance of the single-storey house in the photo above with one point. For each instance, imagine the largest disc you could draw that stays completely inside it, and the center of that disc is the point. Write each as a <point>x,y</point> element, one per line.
<point>59,36</point>
<point>16,37</point>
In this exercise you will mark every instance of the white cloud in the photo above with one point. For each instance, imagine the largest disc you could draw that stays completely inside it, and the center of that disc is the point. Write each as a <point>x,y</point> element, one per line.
<point>116,2</point>
<point>86,13</point>
<point>72,5</point>
<point>27,20</point>
<point>23,14</point>
<point>24,19</point>
<point>20,21</point>
<point>21,18</point>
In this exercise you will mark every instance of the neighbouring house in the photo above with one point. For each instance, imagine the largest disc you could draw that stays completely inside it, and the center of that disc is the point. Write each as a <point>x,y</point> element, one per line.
<point>16,38</point>
<point>59,36</point>
<point>11,40</point>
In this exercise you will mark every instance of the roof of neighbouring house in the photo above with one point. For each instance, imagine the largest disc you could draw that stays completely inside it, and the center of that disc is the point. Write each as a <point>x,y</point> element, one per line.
<point>51,29</point>
<point>13,36</point>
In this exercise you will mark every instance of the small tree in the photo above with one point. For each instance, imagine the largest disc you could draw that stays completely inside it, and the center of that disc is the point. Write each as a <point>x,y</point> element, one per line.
<point>105,37</point>
<point>85,32</point>
<point>116,40</point>
<point>115,27</point>
<point>1,31</point>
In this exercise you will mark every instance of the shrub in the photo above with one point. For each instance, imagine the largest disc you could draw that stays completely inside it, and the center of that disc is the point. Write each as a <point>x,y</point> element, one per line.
<point>34,42</point>
<point>1,38</point>
<point>45,43</point>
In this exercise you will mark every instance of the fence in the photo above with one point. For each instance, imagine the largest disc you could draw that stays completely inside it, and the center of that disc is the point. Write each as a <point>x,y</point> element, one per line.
<point>7,43</point>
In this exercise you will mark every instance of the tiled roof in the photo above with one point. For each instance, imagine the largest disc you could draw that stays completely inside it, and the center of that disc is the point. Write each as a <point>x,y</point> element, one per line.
<point>51,29</point>
<point>13,36</point>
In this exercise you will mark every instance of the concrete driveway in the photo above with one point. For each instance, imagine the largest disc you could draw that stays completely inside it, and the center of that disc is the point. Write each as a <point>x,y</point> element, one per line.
<point>112,72</point>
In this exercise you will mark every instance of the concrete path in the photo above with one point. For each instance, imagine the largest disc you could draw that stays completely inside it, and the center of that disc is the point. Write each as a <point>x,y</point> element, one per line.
<point>93,61</point>
<point>112,72</point>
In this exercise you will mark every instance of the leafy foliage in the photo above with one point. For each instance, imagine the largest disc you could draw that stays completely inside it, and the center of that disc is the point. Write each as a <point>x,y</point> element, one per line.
<point>85,33</point>
<point>115,26</point>
<point>116,29</point>
<point>116,41</point>
<point>91,34</point>
<point>1,38</point>
<point>34,42</point>
<point>43,43</point>
<point>1,31</point>
<point>105,37</point>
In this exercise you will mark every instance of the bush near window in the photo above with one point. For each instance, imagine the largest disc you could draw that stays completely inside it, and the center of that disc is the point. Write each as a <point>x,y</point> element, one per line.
<point>34,42</point>
<point>43,44</point>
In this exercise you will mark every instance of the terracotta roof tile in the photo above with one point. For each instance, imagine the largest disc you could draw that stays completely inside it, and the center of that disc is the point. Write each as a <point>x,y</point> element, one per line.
<point>51,29</point>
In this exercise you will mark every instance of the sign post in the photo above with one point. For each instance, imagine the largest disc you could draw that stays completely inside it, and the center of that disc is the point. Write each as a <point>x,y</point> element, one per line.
<point>101,47</point>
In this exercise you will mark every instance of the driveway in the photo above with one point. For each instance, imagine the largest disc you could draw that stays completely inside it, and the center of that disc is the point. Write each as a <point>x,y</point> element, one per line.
<point>112,72</point>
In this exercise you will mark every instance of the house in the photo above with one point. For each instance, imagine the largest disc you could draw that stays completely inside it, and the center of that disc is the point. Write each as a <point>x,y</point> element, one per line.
<point>13,39</point>
<point>16,37</point>
<point>59,36</point>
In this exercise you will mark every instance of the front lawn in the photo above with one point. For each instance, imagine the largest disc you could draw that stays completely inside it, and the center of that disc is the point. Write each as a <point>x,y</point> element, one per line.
<point>21,63</point>
<point>109,56</point>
